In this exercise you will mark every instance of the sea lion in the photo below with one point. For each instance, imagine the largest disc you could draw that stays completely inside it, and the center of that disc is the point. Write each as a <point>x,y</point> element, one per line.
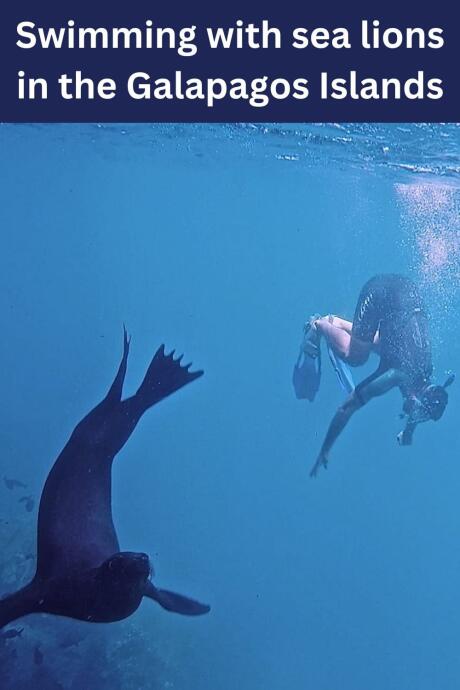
<point>81,572</point>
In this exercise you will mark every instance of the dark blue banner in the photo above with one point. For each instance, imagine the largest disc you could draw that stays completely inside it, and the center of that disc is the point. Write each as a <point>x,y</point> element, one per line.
<point>149,62</point>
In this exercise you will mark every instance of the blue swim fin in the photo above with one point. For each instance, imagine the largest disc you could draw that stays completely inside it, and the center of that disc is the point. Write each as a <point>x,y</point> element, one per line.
<point>306,376</point>
<point>342,370</point>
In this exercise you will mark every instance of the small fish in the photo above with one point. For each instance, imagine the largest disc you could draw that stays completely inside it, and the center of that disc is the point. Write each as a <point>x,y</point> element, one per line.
<point>38,656</point>
<point>29,501</point>
<point>11,633</point>
<point>12,483</point>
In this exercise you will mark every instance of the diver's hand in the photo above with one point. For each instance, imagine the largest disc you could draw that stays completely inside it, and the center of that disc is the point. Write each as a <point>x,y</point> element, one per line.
<point>321,461</point>
<point>404,439</point>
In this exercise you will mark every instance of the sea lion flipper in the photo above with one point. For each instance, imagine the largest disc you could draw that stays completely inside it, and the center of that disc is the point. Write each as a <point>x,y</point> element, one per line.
<point>116,388</point>
<point>177,603</point>
<point>19,604</point>
<point>164,376</point>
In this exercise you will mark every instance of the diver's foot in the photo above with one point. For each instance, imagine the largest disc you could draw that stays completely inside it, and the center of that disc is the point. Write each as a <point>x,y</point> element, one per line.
<point>311,323</point>
<point>312,336</point>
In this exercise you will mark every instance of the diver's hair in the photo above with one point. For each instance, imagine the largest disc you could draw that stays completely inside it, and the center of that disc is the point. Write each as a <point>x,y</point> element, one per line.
<point>434,400</point>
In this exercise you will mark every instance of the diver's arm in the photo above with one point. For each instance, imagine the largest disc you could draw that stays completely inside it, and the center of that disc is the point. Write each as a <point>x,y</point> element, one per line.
<point>338,424</point>
<point>405,436</point>
<point>360,397</point>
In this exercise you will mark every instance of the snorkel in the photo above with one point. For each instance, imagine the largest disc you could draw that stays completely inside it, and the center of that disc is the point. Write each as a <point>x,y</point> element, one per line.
<point>430,404</point>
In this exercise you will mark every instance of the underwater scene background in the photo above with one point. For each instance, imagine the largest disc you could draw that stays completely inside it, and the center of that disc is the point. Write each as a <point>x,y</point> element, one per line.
<point>220,241</point>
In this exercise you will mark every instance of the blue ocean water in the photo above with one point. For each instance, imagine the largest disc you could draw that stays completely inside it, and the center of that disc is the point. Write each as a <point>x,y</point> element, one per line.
<point>220,241</point>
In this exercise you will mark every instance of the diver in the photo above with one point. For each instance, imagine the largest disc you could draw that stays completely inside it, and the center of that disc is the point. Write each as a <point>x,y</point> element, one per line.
<point>390,320</point>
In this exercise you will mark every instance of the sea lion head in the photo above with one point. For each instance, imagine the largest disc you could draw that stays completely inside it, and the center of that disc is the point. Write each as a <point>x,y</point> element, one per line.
<point>126,568</point>
<point>121,580</point>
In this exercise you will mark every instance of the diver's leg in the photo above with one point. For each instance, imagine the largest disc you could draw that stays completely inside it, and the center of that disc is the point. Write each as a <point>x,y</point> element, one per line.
<point>355,344</point>
<point>370,309</point>
<point>338,322</point>
<point>338,338</point>
<point>338,333</point>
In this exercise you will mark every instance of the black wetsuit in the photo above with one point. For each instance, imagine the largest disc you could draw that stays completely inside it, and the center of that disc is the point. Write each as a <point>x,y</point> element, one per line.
<point>391,305</point>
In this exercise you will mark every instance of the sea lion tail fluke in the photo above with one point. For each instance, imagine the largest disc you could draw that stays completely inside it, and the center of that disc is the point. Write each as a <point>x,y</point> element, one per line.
<point>16,605</point>
<point>164,376</point>
<point>177,603</point>
<point>116,389</point>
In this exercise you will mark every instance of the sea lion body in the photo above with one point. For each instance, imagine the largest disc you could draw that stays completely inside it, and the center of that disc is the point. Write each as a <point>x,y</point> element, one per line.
<point>101,595</point>
<point>81,572</point>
